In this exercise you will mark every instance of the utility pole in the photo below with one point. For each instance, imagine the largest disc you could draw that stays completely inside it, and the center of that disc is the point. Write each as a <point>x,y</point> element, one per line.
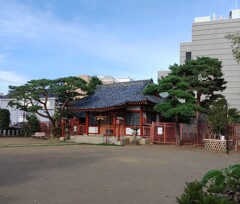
<point>226,125</point>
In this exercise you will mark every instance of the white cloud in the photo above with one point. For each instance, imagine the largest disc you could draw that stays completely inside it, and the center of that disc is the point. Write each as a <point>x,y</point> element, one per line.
<point>10,78</point>
<point>110,48</point>
<point>44,30</point>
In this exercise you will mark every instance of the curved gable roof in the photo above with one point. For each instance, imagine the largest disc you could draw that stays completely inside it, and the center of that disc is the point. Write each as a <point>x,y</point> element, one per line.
<point>113,96</point>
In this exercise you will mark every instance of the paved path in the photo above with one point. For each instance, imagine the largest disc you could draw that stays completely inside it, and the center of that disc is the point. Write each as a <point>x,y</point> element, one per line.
<point>102,174</point>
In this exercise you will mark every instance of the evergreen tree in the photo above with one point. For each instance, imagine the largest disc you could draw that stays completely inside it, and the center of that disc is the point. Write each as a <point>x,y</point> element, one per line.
<point>205,78</point>
<point>94,81</point>
<point>179,103</point>
<point>190,88</point>
<point>33,97</point>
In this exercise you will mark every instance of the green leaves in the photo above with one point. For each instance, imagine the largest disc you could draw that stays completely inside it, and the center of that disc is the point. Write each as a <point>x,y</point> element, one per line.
<point>180,101</point>
<point>150,89</point>
<point>187,83</point>
<point>34,96</point>
<point>192,193</point>
<point>235,40</point>
<point>217,117</point>
<point>216,186</point>
<point>93,83</point>
<point>215,175</point>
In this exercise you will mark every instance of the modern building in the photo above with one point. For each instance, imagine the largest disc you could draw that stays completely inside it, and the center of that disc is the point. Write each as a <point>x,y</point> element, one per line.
<point>162,74</point>
<point>18,116</point>
<point>107,79</point>
<point>208,39</point>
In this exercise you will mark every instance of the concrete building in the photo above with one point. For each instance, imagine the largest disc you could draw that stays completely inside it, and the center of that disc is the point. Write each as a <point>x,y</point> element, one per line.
<point>17,115</point>
<point>208,39</point>
<point>162,74</point>
<point>108,79</point>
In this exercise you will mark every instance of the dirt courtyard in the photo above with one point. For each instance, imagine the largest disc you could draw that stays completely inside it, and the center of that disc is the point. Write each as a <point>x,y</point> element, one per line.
<point>102,174</point>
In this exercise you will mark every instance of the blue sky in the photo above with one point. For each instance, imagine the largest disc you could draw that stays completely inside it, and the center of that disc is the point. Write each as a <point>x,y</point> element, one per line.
<point>123,38</point>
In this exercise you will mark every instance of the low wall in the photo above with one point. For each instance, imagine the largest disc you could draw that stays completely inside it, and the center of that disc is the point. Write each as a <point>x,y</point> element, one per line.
<point>99,139</point>
<point>219,145</point>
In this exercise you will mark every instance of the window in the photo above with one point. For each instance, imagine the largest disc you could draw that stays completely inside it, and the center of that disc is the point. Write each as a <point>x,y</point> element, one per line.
<point>133,118</point>
<point>188,56</point>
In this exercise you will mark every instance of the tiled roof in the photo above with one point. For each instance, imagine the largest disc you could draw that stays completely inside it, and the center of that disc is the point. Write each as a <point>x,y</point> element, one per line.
<point>113,96</point>
<point>4,96</point>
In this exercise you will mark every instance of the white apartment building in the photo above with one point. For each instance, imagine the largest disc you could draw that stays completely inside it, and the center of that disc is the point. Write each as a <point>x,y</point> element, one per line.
<point>17,115</point>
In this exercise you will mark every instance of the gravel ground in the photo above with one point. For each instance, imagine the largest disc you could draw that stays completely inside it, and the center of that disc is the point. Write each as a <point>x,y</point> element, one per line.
<point>25,140</point>
<point>101,174</point>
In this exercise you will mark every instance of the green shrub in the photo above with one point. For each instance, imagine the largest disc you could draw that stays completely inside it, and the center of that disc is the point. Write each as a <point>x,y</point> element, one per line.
<point>31,126</point>
<point>216,187</point>
<point>33,123</point>
<point>57,132</point>
<point>4,118</point>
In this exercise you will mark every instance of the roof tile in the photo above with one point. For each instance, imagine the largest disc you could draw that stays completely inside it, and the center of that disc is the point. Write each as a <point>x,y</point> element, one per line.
<point>117,94</point>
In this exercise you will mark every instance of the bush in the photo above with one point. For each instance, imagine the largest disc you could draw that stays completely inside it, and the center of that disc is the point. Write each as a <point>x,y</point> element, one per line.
<point>57,132</point>
<point>4,118</point>
<point>32,125</point>
<point>216,187</point>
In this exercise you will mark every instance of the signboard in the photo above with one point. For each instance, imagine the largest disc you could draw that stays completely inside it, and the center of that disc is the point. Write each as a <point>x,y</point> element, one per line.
<point>159,130</point>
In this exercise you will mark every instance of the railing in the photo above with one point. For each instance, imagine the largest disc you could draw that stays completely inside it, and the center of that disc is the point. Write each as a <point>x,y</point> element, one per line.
<point>163,133</point>
<point>146,131</point>
<point>79,130</point>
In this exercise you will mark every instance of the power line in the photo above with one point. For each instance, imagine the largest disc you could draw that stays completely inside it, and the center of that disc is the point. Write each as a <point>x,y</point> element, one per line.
<point>3,80</point>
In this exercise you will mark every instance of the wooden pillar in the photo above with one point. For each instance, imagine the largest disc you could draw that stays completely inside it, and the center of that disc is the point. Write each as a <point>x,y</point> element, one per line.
<point>164,133</point>
<point>175,129</point>
<point>152,133</point>
<point>141,121</point>
<point>114,124</point>
<point>87,123</point>
<point>119,125</point>
<point>181,132</point>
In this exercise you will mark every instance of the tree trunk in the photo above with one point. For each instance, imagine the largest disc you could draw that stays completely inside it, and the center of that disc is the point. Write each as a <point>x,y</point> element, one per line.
<point>179,142</point>
<point>198,113</point>
<point>56,131</point>
<point>198,104</point>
